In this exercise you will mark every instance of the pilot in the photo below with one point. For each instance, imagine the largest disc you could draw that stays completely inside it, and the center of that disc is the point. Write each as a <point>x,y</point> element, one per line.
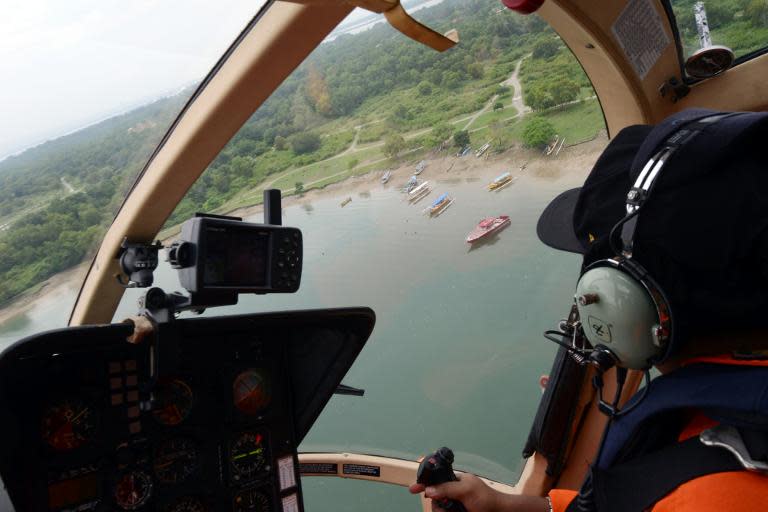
<point>681,209</point>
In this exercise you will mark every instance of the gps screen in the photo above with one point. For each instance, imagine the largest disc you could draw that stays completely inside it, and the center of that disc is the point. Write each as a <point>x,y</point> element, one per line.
<point>235,257</point>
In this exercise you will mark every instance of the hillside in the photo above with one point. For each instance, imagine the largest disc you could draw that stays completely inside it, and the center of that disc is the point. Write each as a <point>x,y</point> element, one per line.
<point>359,102</point>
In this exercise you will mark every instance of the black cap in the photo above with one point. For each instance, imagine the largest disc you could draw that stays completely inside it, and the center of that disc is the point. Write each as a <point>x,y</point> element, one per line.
<point>702,234</point>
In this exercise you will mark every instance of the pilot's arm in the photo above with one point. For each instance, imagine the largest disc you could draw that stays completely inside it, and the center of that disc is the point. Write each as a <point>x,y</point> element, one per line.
<point>476,496</point>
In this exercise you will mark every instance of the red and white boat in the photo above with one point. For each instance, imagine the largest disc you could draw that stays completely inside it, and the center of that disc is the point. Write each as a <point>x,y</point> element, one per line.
<point>487,227</point>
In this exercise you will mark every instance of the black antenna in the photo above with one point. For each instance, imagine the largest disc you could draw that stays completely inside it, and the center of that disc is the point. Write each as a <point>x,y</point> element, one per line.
<point>273,213</point>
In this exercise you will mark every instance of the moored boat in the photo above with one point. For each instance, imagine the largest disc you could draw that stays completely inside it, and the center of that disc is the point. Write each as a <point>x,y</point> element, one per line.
<point>500,181</point>
<point>487,227</point>
<point>439,205</point>
<point>411,184</point>
<point>420,167</point>
<point>419,192</point>
<point>386,177</point>
<point>346,202</point>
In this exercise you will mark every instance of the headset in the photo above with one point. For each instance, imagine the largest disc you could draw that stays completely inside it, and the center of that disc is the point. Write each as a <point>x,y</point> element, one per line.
<point>619,308</point>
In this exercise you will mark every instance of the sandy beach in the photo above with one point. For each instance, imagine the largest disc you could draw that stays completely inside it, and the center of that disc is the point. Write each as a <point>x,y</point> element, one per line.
<point>579,158</point>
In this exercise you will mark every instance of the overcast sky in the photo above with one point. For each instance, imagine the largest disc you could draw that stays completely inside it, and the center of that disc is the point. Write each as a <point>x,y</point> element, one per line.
<point>68,63</point>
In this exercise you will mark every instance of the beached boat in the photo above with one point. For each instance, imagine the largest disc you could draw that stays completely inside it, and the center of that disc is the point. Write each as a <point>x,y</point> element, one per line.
<point>464,151</point>
<point>500,181</point>
<point>439,205</point>
<point>346,202</point>
<point>419,192</point>
<point>411,184</point>
<point>487,227</point>
<point>482,149</point>
<point>420,167</point>
<point>386,177</point>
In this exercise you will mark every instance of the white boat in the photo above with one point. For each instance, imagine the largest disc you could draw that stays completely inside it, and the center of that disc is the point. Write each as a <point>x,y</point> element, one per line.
<point>482,149</point>
<point>419,192</point>
<point>386,177</point>
<point>420,167</point>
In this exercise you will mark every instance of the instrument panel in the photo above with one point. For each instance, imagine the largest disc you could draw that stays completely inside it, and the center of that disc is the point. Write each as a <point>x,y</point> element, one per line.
<point>200,418</point>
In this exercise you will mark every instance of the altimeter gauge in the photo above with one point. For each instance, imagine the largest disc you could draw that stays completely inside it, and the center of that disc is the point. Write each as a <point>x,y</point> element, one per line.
<point>173,402</point>
<point>248,456</point>
<point>133,490</point>
<point>174,460</point>
<point>187,504</point>
<point>68,424</point>
<point>251,500</point>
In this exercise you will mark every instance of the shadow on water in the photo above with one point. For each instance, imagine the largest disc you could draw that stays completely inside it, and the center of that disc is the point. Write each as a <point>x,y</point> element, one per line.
<point>307,207</point>
<point>487,240</point>
<point>365,194</point>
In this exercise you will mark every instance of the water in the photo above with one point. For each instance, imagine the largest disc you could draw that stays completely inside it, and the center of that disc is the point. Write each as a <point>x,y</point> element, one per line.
<point>457,349</point>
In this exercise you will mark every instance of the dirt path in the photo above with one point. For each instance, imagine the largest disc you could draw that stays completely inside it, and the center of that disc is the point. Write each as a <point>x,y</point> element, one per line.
<point>70,188</point>
<point>517,95</point>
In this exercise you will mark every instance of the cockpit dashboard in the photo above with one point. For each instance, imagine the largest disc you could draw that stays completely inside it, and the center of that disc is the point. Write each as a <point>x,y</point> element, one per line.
<point>203,415</point>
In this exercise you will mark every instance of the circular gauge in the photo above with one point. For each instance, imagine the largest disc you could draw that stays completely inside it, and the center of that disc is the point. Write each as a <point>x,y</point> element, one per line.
<point>68,424</point>
<point>173,402</point>
<point>251,500</point>
<point>248,457</point>
<point>251,391</point>
<point>175,460</point>
<point>133,490</point>
<point>187,504</point>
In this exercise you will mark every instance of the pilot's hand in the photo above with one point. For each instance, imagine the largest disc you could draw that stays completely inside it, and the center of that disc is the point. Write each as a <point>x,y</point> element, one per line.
<point>476,496</point>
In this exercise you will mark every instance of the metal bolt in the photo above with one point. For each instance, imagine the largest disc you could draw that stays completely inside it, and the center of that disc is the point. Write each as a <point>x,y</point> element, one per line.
<point>589,298</point>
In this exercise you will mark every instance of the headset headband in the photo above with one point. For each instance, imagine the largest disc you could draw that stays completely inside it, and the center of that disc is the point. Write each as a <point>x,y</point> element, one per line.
<point>641,190</point>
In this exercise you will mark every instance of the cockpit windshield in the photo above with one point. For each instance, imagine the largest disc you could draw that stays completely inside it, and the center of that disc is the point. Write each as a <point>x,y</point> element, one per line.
<point>89,90</point>
<point>416,178</point>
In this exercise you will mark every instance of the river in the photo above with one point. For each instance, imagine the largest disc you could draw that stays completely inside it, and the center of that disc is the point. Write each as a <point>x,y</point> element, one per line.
<point>457,351</point>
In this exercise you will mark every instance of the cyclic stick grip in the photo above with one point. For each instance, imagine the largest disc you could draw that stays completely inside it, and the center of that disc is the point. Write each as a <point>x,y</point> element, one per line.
<point>437,469</point>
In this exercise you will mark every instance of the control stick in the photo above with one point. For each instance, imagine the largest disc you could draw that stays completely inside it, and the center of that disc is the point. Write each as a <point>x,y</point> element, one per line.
<point>437,469</point>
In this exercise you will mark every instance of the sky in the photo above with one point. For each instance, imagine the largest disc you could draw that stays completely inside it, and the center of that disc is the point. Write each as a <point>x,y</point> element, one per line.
<point>67,64</point>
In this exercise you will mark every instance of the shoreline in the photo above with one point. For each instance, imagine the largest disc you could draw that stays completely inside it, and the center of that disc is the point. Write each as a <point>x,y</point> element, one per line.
<point>516,160</point>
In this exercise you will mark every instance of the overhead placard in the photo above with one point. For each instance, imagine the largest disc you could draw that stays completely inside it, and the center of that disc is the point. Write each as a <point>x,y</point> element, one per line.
<point>640,32</point>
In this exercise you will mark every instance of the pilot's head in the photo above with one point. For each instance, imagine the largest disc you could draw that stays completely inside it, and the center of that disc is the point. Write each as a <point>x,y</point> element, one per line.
<point>698,234</point>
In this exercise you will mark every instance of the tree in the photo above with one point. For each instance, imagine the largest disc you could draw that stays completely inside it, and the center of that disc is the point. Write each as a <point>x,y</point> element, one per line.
<point>538,97</point>
<point>425,88</point>
<point>305,142</point>
<point>317,90</point>
<point>461,138</point>
<point>298,187</point>
<point>537,132</point>
<point>281,143</point>
<point>440,133</point>
<point>545,48</point>
<point>498,106</point>
<point>757,13</point>
<point>564,91</point>
<point>352,164</point>
<point>394,144</point>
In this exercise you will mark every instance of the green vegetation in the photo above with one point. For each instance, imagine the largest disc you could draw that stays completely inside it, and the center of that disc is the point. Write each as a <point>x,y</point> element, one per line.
<point>537,132</point>
<point>551,77</point>
<point>741,25</point>
<point>400,99</point>
<point>461,138</point>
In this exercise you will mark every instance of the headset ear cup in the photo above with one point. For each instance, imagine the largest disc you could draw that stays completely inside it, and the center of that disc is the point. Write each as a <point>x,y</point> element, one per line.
<point>618,312</point>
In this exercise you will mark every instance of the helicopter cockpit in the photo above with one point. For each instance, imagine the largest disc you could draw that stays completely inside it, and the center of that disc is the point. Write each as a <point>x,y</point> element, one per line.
<point>156,399</point>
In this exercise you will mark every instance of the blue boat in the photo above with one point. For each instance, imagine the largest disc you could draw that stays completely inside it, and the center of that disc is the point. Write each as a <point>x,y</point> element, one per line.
<point>439,205</point>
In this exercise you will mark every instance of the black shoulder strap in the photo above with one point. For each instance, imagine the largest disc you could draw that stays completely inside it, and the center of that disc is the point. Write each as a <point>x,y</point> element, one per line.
<point>637,485</point>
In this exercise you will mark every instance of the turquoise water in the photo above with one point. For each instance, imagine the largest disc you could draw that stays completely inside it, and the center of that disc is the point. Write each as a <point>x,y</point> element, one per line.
<point>457,350</point>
